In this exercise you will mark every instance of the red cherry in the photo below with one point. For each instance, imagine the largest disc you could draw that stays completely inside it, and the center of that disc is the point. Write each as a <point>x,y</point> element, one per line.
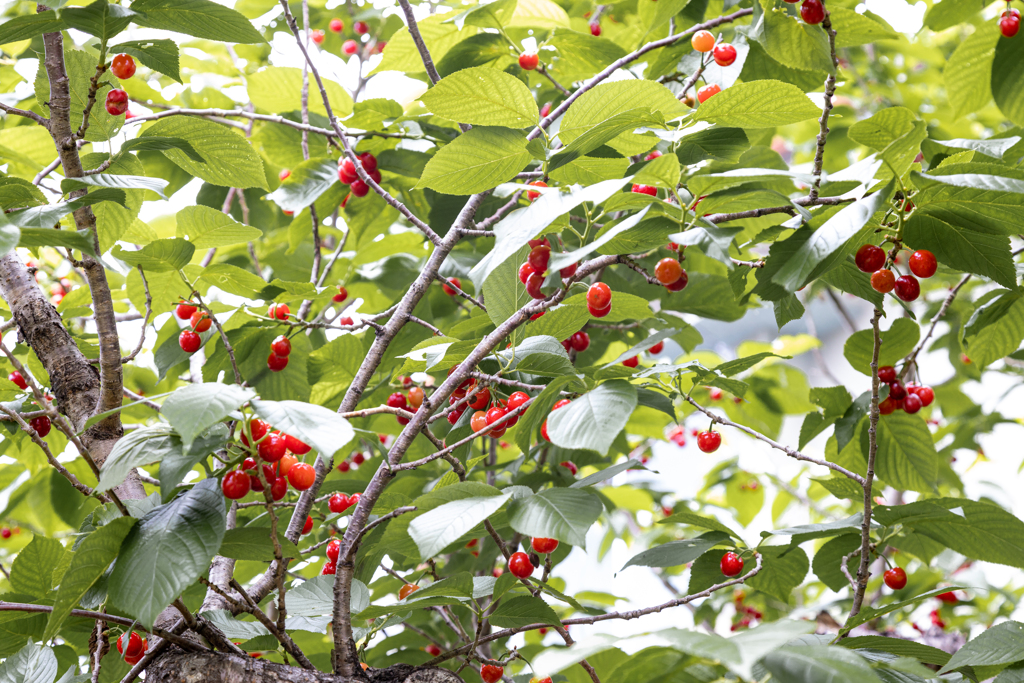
<point>531,194</point>
<point>281,346</point>
<point>525,271</point>
<point>18,380</point>
<point>709,441</point>
<point>731,564</point>
<point>339,502</point>
<point>479,421</point>
<point>5,532</point>
<point>123,66</point>
<point>897,391</point>
<point>317,36</point>
<point>652,156</point>
<point>545,110</point>
<point>347,172</point>
<point>397,400</point>
<point>407,590</point>
<point>645,189</point>
<point>887,374</point>
<point>679,284</point>
<point>361,27</point>
<point>359,188</point>
<point>922,263</point>
<point>369,162</point>
<point>668,271</point>
<point>480,400</point>
<point>533,285</point>
<point>580,341</point>
<point>336,25</point>
<point>883,280</point>
<point>235,484</point>
<point>926,395</point>
<point>599,296</point>
<point>707,92</point>
<point>277,363</point>
<point>284,174</point>
<point>308,526</point>
<point>272,448</point>
<point>117,102</point>
<point>520,566</point>
<point>599,312</point>
<point>189,341</point>
<point>517,399</point>
<point>301,476</point>
<point>278,311</point>
<point>912,404</point>
<point>724,54</point>
<point>896,579</point>
<point>456,283</point>
<point>888,406</point>
<point>907,287</point>
<point>538,258</point>
<point>870,258</point>
<point>134,647</point>
<point>545,545</point>
<point>657,348</point>
<point>344,466</point>
<point>568,271</point>
<point>595,29</point>
<point>340,296</point>
<point>496,416</point>
<point>200,321</point>
<point>569,465</point>
<point>537,243</point>
<point>329,568</point>
<point>1009,24</point>
<point>432,650</point>
<point>455,415</point>
<point>350,47</point>
<point>333,549</point>
<point>491,674</point>
<point>529,60</point>
<point>632,362</point>
<point>812,11</point>
<point>948,597</point>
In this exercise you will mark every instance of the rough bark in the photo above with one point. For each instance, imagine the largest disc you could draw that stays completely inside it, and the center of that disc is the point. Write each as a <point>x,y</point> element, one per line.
<point>201,667</point>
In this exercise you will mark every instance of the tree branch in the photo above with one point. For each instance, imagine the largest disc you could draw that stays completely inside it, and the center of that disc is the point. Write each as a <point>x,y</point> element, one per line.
<point>830,90</point>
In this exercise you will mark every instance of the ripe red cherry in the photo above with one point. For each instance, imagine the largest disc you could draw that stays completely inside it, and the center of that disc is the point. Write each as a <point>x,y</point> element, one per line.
<point>18,380</point>
<point>480,399</point>
<point>272,448</point>
<point>397,400</point>
<point>415,397</point>
<point>580,341</point>
<point>123,66</point>
<point>531,194</point>
<point>897,391</point>
<point>652,156</point>
<point>41,424</point>
<point>134,647</point>
<point>285,174</point>
<point>281,346</point>
<point>525,271</point>
<point>339,502</point>
<point>1009,23</point>
<point>668,271</point>
<point>200,321</point>
<point>709,441</point>
<point>340,296</point>
<point>450,291</point>
<point>369,163</point>
<point>359,188</point>
<point>645,189</point>
<point>529,60</point>
<point>907,287</point>
<point>317,35</point>
<point>496,416</point>
<point>545,545</point>
<point>347,172</point>
<point>870,258</point>
<point>724,54</point>
<point>632,362</point>
<point>679,284</point>
<point>569,464</point>
<point>277,363</point>
<point>538,258</point>
<point>707,92</point>
<point>922,263</point>
<point>949,598</point>
<point>912,403</point>
<point>812,11</point>
<point>491,674</point>
<point>731,564</point>
<point>888,406</point>
<point>308,526</point>
<point>883,280</point>
<point>599,296</point>
<point>336,25</point>
<point>599,312</point>
<point>189,341</point>
<point>517,399</point>
<point>407,590</point>
<point>358,458</point>
<point>896,578</point>
<point>278,311</point>
<point>333,549</point>
<point>533,285</point>
<point>361,27</point>
<point>350,47</point>
<point>657,348</point>
<point>595,29</point>
<point>329,568</point>
<point>520,566</point>
<point>703,41</point>
<point>432,650</point>
<point>235,484</point>
<point>117,102</point>
<point>301,476</point>
<point>887,374</point>
<point>926,395</point>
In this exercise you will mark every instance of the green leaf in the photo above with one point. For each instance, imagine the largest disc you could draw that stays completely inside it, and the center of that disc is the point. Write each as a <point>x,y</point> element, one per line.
<point>563,514</point>
<point>158,143</point>
<point>996,329</point>
<point>439,528</point>
<point>783,568</point>
<point>872,613</point>
<point>706,295</point>
<point>140,447</point>
<point>167,550</point>
<point>1008,92</point>
<point>829,559</point>
<point>603,132</point>
<point>31,664</point>
<point>947,15</point>
<point>898,646</point>
<point>968,74</point>
<point>160,55</point>
<point>231,279</point>
<point>230,160</point>
<point>539,355</point>
<point>523,610</point>
<point>476,161</point>
<point>593,420</point>
<point>963,249</point>
<point>306,183</point>
<point>715,142</point>
<point>48,237</point>
<point>253,543</point>
<point>440,36</point>
<point>816,663</point>
<point>606,473</point>
<point>194,408</point>
<point>794,43</point>
<point>492,15</point>
<point>160,256</point>
<point>205,228</point>
<point>537,413</point>
<point>676,553</point>
<point>906,456</point>
<point>26,576</point>
<point>853,28</point>
<point>81,67</point>
<point>760,104</point>
<point>693,519</point>
<point>278,89</point>
<point>199,18</point>
<point>30,26</point>
<point>322,428</point>
<point>124,182</point>
<point>90,562</point>
<point>999,644</point>
<point>483,96</point>
<point>830,237</point>
<point>99,18</point>
<point>898,341</point>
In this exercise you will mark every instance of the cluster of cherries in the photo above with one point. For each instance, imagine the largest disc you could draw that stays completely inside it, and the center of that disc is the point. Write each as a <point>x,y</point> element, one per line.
<point>812,11</point>
<point>42,423</point>
<point>532,272</point>
<point>281,347</point>
<point>748,613</point>
<point>278,450</point>
<point>871,259</point>
<point>1009,21</point>
<point>199,322</point>
<point>349,47</point>
<point>348,175</point>
<point>724,54</point>
<point>910,398</point>
<point>122,66</point>
<point>134,649</point>
<point>522,565</point>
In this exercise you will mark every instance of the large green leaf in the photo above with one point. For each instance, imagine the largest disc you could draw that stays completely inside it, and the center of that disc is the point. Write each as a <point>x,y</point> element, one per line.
<point>31,664</point>
<point>306,183</point>
<point>205,228</point>
<point>254,543</point>
<point>593,420</point>
<point>967,250</point>
<point>320,427</point>
<point>898,341</point>
<point>853,28</point>
<point>483,96</point>
<point>522,611</point>
<point>99,18</point>
<point>996,329</point>
<point>906,457</point>
<point>140,447</point>
<point>40,553</point>
<point>167,550</point>
<point>160,256</point>
<point>475,161</point>
<point>968,74</point>
<point>818,663</point>
<point>676,553</point>
<point>199,18</point>
<point>437,529</point>
<point>783,568</point>
<point>194,408</point>
<point>794,43</point>
<point>90,562</point>
<point>760,104</point>
<point>30,26</point>
<point>1007,91</point>
<point>230,160</point>
<point>278,89</point>
<point>999,644</point>
<point>563,514</point>
<point>539,355</point>
<point>603,132</point>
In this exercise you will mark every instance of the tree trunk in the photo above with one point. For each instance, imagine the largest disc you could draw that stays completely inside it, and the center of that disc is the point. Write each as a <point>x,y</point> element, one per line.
<point>203,667</point>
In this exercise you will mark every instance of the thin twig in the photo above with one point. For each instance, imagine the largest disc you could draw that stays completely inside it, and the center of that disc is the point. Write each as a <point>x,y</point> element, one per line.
<point>830,90</point>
